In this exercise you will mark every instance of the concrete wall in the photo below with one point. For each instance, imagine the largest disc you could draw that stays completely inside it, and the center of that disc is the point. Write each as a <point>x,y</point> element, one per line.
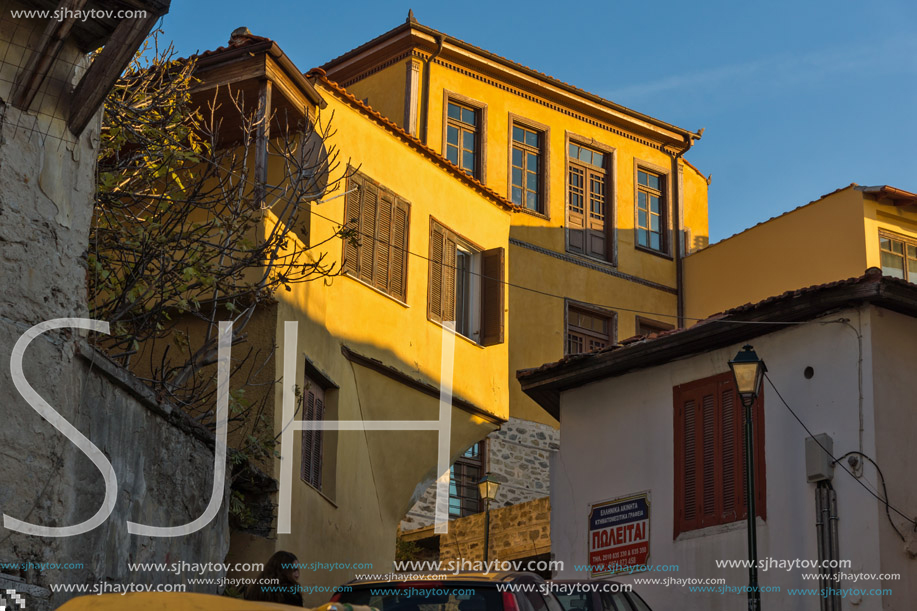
<point>618,440</point>
<point>814,244</point>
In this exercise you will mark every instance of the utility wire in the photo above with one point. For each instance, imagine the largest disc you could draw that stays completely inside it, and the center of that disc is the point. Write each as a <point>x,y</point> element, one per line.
<point>884,488</point>
<point>837,461</point>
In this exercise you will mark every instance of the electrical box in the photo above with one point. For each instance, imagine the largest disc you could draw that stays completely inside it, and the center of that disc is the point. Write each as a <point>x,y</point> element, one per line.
<point>819,464</point>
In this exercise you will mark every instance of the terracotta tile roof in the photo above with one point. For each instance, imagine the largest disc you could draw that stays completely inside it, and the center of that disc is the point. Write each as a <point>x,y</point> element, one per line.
<point>318,74</point>
<point>872,276</point>
<point>687,134</point>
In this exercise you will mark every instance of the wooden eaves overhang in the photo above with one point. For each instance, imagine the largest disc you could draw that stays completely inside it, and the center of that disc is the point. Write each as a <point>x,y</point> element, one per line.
<point>891,195</point>
<point>545,384</point>
<point>412,36</point>
<point>119,39</point>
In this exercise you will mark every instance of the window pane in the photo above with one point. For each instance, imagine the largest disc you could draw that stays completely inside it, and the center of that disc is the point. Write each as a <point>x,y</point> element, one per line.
<point>598,159</point>
<point>469,116</point>
<point>641,200</point>
<point>655,241</point>
<point>897,247</point>
<point>517,157</point>
<point>573,151</point>
<point>531,138</point>
<point>654,223</point>
<point>517,177</point>
<point>454,111</point>
<point>532,162</point>
<point>641,219</point>
<point>468,161</point>
<point>641,178</point>
<point>468,141</point>
<point>653,181</point>
<point>531,200</point>
<point>911,252</point>
<point>642,237</point>
<point>517,196</point>
<point>452,154</point>
<point>452,135</point>
<point>585,155</point>
<point>892,265</point>
<point>518,134</point>
<point>532,181</point>
<point>654,204</point>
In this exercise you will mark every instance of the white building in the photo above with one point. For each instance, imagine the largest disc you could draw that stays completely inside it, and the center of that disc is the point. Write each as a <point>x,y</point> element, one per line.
<point>656,417</point>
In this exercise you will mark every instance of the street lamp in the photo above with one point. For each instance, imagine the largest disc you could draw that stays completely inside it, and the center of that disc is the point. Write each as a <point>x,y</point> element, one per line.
<point>748,371</point>
<point>487,487</point>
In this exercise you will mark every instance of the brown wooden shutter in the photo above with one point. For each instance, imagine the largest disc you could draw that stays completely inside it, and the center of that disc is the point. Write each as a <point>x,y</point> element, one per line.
<point>317,463</point>
<point>308,437</point>
<point>383,249</point>
<point>398,273</point>
<point>596,239</point>
<point>707,460</point>
<point>352,208</point>
<point>686,514</point>
<point>732,466</point>
<point>435,292</point>
<point>368,242</point>
<point>449,247</point>
<point>492,292</point>
<point>313,411</point>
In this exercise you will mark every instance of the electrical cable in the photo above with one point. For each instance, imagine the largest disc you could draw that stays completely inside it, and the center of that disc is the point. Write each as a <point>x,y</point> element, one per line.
<point>837,461</point>
<point>884,488</point>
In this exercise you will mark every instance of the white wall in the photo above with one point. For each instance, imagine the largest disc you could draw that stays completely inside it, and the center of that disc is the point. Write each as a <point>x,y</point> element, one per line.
<point>617,439</point>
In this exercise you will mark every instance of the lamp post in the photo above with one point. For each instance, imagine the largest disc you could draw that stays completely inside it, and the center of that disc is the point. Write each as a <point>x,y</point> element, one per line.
<point>488,488</point>
<point>748,371</point>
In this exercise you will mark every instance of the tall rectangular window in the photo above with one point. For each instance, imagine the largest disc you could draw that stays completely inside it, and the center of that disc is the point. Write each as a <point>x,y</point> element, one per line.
<point>463,141</point>
<point>588,329</point>
<point>376,245</point>
<point>464,475</point>
<point>651,209</point>
<point>466,286</point>
<point>313,410</point>
<point>899,256</point>
<point>588,222</point>
<point>527,172</point>
<point>710,480</point>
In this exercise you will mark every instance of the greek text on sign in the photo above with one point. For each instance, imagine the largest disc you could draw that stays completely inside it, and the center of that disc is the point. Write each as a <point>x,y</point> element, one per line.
<point>619,535</point>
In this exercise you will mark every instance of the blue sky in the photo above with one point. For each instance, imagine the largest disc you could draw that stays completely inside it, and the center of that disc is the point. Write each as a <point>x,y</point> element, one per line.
<point>797,98</point>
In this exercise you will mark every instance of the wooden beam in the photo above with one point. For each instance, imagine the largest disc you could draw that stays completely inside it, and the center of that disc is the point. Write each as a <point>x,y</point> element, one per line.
<point>106,68</point>
<point>262,138</point>
<point>49,45</point>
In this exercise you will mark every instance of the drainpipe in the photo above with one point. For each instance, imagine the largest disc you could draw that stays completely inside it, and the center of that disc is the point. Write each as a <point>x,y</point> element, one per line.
<point>677,229</point>
<point>425,105</point>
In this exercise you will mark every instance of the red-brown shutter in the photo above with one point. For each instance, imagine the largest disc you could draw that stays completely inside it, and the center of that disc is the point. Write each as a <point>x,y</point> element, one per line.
<point>308,436</point>
<point>368,245</point>
<point>732,445</point>
<point>686,513</point>
<point>399,259</point>
<point>707,459</point>
<point>492,292</point>
<point>435,292</point>
<point>352,207</point>
<point>313,411</point>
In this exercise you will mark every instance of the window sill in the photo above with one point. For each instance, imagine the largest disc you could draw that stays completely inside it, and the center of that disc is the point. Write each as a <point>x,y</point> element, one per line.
<point>320,493</point>
<point>457,334</point>
<point>589,259</point>
<point>718,529</point>
<point>650,251</point>
<point>535,213</point>
<point>381,292</point>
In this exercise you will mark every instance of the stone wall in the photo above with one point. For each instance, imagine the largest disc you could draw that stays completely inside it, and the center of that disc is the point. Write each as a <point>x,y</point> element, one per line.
<point>518,455</point>
<point>163,462</point>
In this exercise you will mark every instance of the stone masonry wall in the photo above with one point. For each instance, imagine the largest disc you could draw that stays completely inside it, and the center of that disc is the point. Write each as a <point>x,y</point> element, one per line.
<point>518,531</point>
<point>518,455</point>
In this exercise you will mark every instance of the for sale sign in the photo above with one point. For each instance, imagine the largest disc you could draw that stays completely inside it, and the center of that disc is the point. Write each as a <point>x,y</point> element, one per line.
<point>619,535</point>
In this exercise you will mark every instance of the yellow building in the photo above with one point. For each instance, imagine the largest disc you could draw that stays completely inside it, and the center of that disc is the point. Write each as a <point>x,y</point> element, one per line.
<point>430,246</point>
<point>835,237</point>
<point>609,204</point>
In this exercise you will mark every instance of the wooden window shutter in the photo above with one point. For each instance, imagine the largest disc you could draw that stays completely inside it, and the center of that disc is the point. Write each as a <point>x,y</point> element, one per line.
<point>449,247</point>
<point>368,244</point>
<point>435,292</point>
<point>686,510</point>
<point>313,411</point>
<point>576,209</point>
<point>707,460</point>
<point>733,444</point>
<point>352,208</point>
<point>398,274</point>
<point>383,246</point>
<point>492,292</point>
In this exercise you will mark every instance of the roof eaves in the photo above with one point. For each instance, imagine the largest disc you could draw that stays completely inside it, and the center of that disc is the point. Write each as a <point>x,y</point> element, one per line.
<point>544,384</point>
<point>319,75</point>
<point>688,136</point>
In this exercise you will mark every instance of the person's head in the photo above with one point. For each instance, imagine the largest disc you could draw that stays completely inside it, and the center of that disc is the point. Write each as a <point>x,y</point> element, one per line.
<point>281,566</point>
